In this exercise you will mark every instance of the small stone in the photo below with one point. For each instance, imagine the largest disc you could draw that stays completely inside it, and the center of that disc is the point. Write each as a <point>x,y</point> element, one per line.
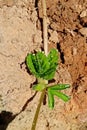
<point>84,21</point>
<point>83,31</point>
<point>83,13</point>
<point>74,51</point>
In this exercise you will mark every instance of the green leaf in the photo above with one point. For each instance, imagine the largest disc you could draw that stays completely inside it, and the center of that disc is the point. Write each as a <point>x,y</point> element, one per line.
<point>42,63</point>
<point>30,64</point>
<point>53,62</point>
<point>60,87</point>
<point>39,87</point>
<point>49,74</point>
<point>60,95</point>
<point>52,93</point>
<point>37,64</point>
<point>53,58</point>
<point>50,100</point>
<point>43,66</point>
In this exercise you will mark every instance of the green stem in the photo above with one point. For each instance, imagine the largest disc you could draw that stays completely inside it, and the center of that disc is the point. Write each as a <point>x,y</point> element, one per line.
<point>37,110</point>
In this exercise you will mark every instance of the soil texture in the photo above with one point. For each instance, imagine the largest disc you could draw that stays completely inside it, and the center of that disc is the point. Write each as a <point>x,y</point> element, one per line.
<point>20,34</point>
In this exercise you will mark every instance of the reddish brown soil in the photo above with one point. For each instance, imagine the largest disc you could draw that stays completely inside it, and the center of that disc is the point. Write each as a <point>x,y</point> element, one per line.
<point>21,33</point>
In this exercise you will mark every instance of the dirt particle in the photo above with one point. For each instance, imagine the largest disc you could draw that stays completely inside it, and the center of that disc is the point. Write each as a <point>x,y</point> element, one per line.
<point>83,13</point>
<point>83,31</point>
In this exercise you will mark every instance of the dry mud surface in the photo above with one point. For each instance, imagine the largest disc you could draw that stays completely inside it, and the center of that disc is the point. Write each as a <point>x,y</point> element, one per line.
<point>21,33</point>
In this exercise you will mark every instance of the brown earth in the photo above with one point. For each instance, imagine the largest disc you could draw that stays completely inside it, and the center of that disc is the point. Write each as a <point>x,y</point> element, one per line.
<point>21,33</point>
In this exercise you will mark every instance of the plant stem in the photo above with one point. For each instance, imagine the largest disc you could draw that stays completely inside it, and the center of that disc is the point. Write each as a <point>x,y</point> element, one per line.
<point>37,110</point>
<point>45,39</point>
<point>45,36</point>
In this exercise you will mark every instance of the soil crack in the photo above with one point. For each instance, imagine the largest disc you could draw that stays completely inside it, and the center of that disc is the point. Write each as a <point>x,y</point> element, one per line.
<point>61,53</point>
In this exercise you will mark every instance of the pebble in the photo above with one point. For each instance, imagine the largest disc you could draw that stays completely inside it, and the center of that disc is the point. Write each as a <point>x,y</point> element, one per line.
<point>83,31</point>
<point>83,13</point>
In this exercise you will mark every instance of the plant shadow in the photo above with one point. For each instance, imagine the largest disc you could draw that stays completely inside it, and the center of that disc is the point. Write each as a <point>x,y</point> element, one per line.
<point>5,118</point>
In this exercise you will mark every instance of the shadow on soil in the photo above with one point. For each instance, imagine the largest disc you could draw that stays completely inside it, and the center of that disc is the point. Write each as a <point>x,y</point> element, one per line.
<point>5,118</point>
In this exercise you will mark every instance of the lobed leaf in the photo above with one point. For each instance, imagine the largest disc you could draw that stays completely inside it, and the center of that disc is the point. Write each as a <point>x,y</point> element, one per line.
<point>54,92</point>
<point>43,66</point>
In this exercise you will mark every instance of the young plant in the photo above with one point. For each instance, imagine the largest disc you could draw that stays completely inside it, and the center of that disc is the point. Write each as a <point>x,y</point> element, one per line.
<point>44,68</point>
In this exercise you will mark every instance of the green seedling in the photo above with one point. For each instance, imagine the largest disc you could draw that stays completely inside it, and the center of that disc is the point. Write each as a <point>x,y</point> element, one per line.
<point>44,68</point>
